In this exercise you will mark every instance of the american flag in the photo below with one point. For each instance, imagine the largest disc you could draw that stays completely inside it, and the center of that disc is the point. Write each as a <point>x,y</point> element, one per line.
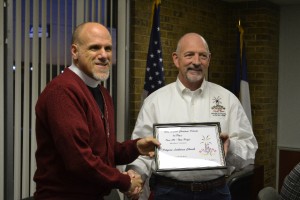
<point>154,77</point>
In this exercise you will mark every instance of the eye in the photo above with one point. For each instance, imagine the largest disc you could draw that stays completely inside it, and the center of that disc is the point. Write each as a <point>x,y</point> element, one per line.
<point>108,48</point>
<point>203,56</point>
<point>189,55</point>
<point>94,48</point>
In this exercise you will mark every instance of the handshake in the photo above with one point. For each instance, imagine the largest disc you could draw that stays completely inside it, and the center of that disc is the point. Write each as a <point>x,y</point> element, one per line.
<point>136,187</point>
<point>145,146</point>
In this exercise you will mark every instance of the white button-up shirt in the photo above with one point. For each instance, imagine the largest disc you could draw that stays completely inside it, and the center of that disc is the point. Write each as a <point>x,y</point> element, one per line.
<point>210,103</point>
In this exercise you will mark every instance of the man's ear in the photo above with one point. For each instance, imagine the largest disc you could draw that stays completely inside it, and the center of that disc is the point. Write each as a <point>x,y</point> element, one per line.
<point>74,51</point>
<point>175,59</point>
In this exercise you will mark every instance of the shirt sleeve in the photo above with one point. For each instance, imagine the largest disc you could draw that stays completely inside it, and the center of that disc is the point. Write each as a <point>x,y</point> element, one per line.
<point>243,144</point>
<point>143,128</point>
<point>126,152</point>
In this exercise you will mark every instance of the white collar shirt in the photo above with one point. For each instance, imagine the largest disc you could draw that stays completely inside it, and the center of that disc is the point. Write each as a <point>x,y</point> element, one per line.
<point>86,79</point>
<point>210,103</point>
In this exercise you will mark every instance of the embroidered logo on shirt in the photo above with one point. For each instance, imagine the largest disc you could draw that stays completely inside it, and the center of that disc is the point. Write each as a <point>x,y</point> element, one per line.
<point>218,110</point>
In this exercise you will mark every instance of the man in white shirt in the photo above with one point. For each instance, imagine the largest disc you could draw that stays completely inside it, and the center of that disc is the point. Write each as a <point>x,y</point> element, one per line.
<point>188,100</point>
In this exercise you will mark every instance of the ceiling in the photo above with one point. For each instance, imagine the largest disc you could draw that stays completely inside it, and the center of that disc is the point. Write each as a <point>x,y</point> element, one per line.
<point>278,2</point>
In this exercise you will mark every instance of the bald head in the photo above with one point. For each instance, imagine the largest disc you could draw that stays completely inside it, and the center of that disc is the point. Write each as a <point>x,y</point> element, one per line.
<point>86,28</point>
<point>92,50</point>
<point>192,59</point>
<point>190,38</point>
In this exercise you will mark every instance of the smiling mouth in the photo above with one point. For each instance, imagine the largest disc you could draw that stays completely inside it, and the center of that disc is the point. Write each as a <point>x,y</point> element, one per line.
<point>102,64</point>
<point>195,69</point>
<point>106,63</point>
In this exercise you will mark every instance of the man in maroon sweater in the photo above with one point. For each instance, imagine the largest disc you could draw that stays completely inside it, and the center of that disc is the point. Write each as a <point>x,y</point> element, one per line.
<point>77,149</point>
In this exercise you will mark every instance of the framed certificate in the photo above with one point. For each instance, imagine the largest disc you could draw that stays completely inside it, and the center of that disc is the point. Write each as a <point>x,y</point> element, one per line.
<point>188,146</point>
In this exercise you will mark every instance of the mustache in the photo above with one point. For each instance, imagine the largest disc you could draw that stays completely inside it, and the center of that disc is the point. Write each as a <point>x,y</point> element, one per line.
<point>195,68</point>
<point>106,62</point>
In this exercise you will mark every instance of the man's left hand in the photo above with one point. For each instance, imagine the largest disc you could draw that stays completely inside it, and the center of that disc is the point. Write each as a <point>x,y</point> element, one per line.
<point>146,146</point>
<point>226,142</point>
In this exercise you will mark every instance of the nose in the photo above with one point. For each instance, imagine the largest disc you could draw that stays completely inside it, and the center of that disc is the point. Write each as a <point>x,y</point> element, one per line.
<point>197,60</point>
<point>102,53</point>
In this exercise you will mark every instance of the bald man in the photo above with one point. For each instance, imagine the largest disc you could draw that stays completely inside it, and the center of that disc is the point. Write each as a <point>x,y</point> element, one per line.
<point>77,151</point>
<point>191,99</point>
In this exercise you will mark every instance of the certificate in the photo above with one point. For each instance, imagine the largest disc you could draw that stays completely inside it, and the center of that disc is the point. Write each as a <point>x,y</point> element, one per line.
<point>188,146</point>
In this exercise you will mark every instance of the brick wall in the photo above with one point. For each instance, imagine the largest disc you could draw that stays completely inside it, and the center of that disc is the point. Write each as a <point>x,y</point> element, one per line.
<point>216,21</point>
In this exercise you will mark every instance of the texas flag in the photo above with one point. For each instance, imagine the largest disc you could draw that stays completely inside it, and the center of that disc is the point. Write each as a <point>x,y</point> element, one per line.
<point>241,85</point>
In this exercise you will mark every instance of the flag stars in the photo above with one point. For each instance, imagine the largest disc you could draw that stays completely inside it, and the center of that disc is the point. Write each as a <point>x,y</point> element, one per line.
<point>154,77</point>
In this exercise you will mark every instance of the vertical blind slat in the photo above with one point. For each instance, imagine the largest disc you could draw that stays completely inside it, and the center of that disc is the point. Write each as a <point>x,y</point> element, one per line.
<point>99,10</point>
<point>35,82</point>
<point>1,100</point>
<point>26,102</point>
<point>111,31</point>
<point>73,15</point>
<point>43,49</point>
<point>105,23</point>
<point>80,14</point>
<point>17,106</point>
<point>58,39</point>
<point>66,47</point>
<point>105,12</point>
<point>51,41</point>
<point>93,18</point>
<point>87,11</point>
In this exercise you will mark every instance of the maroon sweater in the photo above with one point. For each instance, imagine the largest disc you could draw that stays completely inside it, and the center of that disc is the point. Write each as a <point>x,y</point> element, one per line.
<point>76,149</point>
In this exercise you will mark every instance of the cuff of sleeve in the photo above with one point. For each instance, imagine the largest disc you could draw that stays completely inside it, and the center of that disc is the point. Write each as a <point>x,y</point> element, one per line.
<point>124,183</point>
<point>136,149</point>
<point>231,147</point>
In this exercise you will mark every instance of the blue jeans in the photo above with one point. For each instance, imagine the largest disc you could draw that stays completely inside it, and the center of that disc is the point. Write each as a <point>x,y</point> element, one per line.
<point>163,192</point>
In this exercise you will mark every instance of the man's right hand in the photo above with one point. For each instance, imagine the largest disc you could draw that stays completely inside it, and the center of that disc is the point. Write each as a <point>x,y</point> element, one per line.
<point>136,185</point>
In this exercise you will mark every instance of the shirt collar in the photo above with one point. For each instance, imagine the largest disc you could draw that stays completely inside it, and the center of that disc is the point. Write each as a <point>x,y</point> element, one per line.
<point>182,89</point>
<point>86,79</point>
